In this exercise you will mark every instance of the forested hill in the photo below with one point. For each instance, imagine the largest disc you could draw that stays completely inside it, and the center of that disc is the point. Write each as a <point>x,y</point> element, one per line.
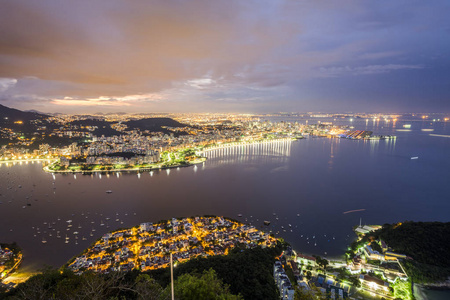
<point>242,274</point>
<point>153,124</point>
<point>428,243</point>
<point>11,115</point>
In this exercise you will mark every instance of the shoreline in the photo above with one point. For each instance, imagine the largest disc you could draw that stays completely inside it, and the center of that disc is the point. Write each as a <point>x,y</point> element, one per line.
<point>138,169</point>
<point>195,162</point>
<point>14,161</point>
<point>419,292</point>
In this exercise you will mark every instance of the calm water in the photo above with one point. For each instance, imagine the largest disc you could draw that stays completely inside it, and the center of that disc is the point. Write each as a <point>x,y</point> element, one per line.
<point>306,184</point>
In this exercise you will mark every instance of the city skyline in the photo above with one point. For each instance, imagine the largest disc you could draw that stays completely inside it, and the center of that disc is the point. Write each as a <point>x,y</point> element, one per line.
<point>203,56</point>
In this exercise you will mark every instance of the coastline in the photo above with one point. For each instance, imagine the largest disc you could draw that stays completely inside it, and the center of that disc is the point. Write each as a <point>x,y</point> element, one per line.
<point>430,292</point>
<point>14,161</point>
<point>419,292</point>
<point>137,169</point>
<point>195,162</point>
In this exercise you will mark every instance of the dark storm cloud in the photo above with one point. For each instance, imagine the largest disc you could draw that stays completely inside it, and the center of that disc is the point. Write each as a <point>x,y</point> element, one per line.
<point>121,47</point>
<point>269,53</point>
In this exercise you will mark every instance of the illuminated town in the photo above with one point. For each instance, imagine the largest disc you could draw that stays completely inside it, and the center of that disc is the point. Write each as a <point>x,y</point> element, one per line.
<point>118,142</point>
<point>10,259</point>
<point>366,272</point>
<point>149,246</point>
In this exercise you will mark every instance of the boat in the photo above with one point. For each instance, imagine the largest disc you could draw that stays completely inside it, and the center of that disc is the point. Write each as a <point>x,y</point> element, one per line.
<point>44,241</point>
<point>108,191</point>
<point>415,157</point>
<point>239,215</point>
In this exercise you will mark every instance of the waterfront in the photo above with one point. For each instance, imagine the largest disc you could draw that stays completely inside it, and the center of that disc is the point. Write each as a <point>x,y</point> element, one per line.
<point>316,178</point>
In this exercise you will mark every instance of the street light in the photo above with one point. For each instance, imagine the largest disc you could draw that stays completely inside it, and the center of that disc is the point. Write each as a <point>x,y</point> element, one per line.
<point>171,276</point>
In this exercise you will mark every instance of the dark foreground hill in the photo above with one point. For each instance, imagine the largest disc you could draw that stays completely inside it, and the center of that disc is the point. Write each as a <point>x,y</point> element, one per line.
<point>242,274</point>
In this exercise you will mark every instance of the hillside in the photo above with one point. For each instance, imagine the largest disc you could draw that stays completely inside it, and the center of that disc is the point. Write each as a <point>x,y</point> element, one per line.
<point>14,115</point>
<point>153,124</point>
<point>427,243</point>
<point>243,274</point>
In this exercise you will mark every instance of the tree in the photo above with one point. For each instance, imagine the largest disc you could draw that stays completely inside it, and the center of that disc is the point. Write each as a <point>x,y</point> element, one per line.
<point>308,275</point>
<point>307,294</point>
<point>321,261</point>
<point>205,286</point>
<point>147,288</point>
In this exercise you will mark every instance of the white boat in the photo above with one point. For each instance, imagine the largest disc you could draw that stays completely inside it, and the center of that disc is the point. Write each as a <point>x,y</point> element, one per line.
<point>108,191</point>
<point>415,157</point>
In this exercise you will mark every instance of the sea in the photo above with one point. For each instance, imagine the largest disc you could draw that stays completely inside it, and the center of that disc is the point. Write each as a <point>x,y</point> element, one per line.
<point>312,191</point>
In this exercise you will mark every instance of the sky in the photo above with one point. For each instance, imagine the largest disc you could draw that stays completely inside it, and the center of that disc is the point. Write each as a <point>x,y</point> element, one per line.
<point>249,56</point>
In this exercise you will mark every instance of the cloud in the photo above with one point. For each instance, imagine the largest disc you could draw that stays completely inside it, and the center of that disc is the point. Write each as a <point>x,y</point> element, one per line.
<point>200,83</point>
<point>380,55</point>
<point>199,54</point>
<point>6,83</point>
<point>365,70</point>
<point>114,48</point>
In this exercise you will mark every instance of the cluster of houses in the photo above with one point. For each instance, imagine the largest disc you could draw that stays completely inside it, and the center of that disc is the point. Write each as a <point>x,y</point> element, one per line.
<point>5,256</point>
<point>148,158</point>
<point>149,246</point>
<point>10,260</point>
<point>376,271</point>
<point>376,265</point>
<point>384,263</point>
<point>310,282</point>
<point>282,281</point>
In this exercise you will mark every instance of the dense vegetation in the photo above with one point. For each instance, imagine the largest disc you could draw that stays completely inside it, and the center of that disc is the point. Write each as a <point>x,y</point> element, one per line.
<point>243,274</point>
<point>54,284</point>
<point>154,125</point>
<point>427,243</point>
<point>248,272</point>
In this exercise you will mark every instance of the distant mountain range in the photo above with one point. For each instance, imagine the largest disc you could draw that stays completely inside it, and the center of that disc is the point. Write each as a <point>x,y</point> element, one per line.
<point>10,117</point>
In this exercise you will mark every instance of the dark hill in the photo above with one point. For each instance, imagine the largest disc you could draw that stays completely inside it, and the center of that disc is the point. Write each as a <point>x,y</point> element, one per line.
<point>103,127</point>
<point>154,124</point>
<point>428,243</point>
<point>14,115</point>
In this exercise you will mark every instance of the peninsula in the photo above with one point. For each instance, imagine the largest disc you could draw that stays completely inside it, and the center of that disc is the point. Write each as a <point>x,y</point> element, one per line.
<point>149,245</point>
